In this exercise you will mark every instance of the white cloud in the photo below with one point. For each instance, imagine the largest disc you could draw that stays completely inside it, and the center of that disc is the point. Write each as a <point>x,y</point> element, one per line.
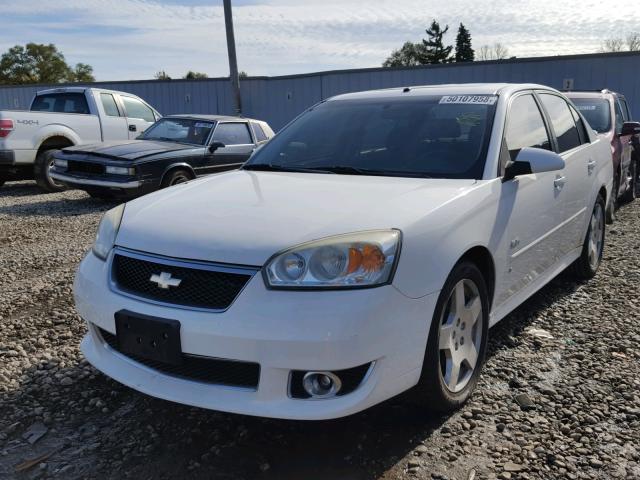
<point>127,39</point>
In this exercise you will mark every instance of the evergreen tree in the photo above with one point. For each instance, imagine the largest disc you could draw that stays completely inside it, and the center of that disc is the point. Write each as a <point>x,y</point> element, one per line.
<point>464,51</point>
<point>433,50</point>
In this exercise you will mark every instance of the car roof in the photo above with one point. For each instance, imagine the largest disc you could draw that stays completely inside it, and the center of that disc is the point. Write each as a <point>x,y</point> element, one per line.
<point>592,94</point>
<point>212,118</point>
<point>447,89</point>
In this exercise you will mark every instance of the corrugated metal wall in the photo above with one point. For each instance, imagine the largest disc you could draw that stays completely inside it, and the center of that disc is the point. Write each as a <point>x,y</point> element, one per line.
<point>279,99</point>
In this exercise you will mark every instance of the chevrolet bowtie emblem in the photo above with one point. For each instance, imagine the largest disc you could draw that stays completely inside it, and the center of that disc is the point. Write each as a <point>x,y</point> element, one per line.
<point>165,280</point>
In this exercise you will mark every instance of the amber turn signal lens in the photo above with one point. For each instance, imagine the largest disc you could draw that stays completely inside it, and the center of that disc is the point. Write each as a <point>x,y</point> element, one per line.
<point>370,258</point>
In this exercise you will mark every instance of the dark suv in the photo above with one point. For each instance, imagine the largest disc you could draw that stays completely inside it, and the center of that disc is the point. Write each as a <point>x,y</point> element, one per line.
<point>608,114</point>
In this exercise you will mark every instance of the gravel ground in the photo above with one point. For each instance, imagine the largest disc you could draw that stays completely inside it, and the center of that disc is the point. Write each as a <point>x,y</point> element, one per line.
<point>581,372</point>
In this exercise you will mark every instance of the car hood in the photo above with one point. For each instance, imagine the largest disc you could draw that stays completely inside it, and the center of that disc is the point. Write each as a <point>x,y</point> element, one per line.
<point>244,217</point>
<point>129,149</point>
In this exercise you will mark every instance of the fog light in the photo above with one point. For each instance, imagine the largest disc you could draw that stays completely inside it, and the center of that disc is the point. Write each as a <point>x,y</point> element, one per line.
<point>321,384</point>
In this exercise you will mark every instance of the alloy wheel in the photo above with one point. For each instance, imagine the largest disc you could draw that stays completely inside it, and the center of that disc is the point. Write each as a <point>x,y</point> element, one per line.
<point>460,335</point>
<point>596,230</point>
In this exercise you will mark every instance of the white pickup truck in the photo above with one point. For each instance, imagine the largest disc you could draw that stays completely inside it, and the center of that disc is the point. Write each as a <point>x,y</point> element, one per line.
<point>63,117</point>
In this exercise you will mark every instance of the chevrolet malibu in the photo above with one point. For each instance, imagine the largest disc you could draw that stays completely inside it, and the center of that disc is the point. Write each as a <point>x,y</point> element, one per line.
<point>364,251</point>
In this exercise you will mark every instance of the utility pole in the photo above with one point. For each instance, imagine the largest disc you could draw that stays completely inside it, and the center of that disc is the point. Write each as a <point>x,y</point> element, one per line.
<point>233,63</point>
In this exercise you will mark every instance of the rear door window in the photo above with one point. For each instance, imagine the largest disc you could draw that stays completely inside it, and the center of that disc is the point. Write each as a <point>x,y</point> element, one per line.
<point>562,121</point>
<point>137,109</point>
<point>61,103</point>
<point>525,126</point>
<point>232,134</point>
<point>582,129</point>
<point>109,105</point>
<point>619,117</point>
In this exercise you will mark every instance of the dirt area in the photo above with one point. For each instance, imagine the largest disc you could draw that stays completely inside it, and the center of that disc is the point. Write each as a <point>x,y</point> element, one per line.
<point>572,349</point>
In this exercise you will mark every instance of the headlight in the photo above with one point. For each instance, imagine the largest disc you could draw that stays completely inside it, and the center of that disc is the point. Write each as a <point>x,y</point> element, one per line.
<point>60,163</point>
<point>365,259</point>
<point>107,232</point>
<point>120,170</point>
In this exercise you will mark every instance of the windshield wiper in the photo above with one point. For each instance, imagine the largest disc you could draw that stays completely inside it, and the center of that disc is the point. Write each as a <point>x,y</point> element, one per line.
<point>270,167</point>
<point>349,170</point>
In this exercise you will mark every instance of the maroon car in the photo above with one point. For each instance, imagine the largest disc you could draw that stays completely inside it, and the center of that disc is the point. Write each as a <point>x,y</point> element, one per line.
<point>608,114</point>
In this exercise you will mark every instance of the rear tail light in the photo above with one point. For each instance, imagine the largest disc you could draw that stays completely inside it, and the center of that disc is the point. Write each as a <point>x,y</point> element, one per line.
<point>6,127</point>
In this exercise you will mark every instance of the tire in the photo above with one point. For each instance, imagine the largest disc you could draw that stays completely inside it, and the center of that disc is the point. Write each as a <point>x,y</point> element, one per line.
<point>630,194</point>
<point>586,266</point>
<point>2,180</point>
<point>175,177</point>
<point>43,163</point>
<point>610,214</point>
<point>437,389</point>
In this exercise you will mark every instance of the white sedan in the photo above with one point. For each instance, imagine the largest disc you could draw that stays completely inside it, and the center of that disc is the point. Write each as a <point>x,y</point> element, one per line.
<point>364,251</point>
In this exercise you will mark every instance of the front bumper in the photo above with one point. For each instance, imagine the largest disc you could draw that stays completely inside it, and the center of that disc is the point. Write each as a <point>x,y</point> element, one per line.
<point>280,330</point>
<point>112,185</point>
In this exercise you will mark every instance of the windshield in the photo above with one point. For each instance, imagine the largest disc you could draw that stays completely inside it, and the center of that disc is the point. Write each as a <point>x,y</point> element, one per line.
<point>429,136</point>
<point>597,112</point>
<point>182,130</point>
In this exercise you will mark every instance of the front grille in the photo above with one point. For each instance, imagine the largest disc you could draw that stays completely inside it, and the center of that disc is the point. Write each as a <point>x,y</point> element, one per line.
<point>351,379</point>
<point>201,285</point>
<point>203,369</point>
<point>85,167</point>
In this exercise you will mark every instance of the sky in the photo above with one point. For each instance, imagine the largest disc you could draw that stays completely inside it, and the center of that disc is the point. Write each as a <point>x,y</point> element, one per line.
<point>133,39</point>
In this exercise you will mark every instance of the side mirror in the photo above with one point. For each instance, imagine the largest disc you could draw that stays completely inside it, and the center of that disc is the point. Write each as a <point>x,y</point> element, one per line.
<point>533,160</point>
<point>630,128</point>
<point>215,146</point>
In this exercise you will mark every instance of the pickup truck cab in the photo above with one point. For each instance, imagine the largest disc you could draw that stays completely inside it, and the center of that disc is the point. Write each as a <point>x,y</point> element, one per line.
<point>63,117</point>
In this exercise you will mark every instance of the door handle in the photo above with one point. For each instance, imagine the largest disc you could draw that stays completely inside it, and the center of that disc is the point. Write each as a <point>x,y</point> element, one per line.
<point>591,164</point>
<point>132,128</point>
<point>559,182</point>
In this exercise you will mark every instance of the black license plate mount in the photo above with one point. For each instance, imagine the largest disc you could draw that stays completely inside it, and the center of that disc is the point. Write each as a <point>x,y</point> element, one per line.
<point>150,338</point>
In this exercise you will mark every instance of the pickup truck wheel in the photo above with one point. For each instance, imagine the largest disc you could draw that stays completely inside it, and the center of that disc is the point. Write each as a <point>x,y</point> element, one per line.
<point>175,177</point>
<point>44,162</point>
<point>457,341</point>
<point>587,264</point>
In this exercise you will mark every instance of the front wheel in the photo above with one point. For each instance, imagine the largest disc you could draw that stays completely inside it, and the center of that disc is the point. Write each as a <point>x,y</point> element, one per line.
<point>587,264</point>
<point>41,172</point>
<point>630,193</point>
<point>457,341</point>
<point>176,177</point>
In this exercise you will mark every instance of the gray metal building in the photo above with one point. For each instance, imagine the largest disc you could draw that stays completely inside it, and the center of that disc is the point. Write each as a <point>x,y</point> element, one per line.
<point>279,99</point>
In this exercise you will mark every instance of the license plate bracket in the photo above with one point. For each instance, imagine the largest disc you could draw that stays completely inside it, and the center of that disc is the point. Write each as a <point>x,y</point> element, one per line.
<point>150,338</point>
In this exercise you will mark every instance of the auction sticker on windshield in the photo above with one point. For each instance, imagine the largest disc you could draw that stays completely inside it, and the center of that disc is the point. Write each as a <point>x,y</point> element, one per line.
<point>469,99</point>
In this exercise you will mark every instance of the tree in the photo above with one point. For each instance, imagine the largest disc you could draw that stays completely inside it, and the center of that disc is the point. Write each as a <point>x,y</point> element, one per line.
<point>161,75</point>
<point>495,52</point>
<point>433,50</point>
<point>39,63</point>
<point>633,41</point>
<point>82,73</point>
<point>500,52</point>
<point>464,51</point>
<point>191,75</point>
<point>243,75</point>
<point>404,57</point>
<point>612,45</point>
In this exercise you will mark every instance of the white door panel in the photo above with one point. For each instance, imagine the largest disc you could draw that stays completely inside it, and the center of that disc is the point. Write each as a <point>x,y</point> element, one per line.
<point>534,230</point>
